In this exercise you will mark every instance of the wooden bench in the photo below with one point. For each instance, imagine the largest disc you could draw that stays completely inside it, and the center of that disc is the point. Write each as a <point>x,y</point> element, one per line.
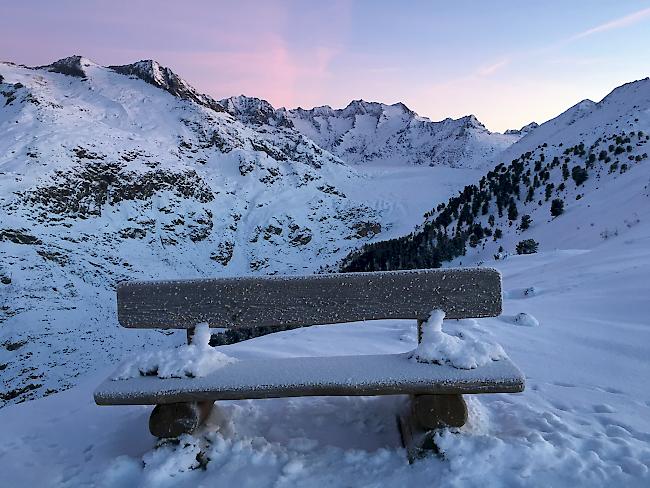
<point>183,404</point>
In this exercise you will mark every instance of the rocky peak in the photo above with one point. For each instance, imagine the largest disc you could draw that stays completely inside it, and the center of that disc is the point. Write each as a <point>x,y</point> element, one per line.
<point>471,122</point>
<point>70,66</point>
<point>252,110</point>
<point>164,78</point>
<point>524,130</point>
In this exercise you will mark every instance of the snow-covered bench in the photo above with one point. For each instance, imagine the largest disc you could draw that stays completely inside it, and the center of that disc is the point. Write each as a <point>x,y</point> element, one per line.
<point>183,403</point>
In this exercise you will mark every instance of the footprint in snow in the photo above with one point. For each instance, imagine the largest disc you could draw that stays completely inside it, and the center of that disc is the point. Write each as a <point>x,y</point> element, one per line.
<point>604,408</point>
<point>522,319</point>
<point>519,293</point>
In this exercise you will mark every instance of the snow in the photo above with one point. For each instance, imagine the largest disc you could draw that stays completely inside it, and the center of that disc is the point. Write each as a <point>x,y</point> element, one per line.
<point>462,351</point>
<point>583,420</point>
<point>525,319</point>
<point>376,134</point>
<point>320,375</point>
<point>194,360</point>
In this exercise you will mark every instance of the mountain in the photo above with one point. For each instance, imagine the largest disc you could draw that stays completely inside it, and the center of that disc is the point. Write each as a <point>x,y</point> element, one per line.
<point>255,111</point>
<point>524,130</point>
<point>123,172</point>
<point>376,133</point>
<point>162,77</point>
<point>577,180</point>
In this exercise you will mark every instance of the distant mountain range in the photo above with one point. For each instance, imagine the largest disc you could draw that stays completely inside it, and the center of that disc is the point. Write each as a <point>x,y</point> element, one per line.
<point>376,133</point>
<point>572,182</point>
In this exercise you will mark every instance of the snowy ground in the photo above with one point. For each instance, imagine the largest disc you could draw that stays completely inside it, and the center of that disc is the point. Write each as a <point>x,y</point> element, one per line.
<point>403,194</point>
<point>584,418</point>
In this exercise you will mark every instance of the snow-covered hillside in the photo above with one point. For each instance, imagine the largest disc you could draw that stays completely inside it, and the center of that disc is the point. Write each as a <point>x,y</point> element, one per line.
<point>124,172</point>
<point>583,420</point>
<point>107,176</point>
<point>380,134</point>
<point>128,172</point>
<point>609,143</point>
<point>574,181</point>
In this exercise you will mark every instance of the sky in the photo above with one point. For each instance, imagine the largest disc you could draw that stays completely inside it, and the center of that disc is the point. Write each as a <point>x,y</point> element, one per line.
<point>507,62</point>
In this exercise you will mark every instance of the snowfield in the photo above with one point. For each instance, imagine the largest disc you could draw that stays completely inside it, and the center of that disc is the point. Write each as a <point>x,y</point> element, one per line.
<point>584,418</point>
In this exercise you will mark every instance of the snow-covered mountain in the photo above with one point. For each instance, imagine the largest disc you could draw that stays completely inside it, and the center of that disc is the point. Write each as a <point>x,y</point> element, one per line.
<point>376,133</point>
<point>108,173</point>
<point>255,111</point>
<point>592,161</point>
<point>123,172</point>
<point>524,130</point>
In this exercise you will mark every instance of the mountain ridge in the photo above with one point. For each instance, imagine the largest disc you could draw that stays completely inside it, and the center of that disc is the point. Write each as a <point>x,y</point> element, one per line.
<point>109,174</point>
<point>553,177</point>
<point>374,132</point>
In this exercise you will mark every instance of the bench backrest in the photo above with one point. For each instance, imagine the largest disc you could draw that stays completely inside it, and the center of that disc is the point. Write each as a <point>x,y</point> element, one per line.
<point>309,300</point>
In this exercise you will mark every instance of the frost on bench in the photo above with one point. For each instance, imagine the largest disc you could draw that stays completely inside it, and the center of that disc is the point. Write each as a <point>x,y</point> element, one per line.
<point>436,374</point>
<point>385,374</point>
<point>309,300</point>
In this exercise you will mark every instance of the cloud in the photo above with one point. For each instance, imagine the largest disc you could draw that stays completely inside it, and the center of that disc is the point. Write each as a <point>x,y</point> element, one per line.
<point>614,24</point>
<point>492,68</point>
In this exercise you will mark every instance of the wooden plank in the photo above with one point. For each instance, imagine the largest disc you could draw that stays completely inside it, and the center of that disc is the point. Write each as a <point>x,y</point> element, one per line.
<point>385,374</point>
<point>310,300</point>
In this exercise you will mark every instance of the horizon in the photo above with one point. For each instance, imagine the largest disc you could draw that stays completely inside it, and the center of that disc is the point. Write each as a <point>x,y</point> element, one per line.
<point>340,107</point>
<point>297,55</point>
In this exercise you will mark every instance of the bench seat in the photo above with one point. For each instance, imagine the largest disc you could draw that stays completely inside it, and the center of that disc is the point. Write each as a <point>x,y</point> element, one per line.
<point>385,374</point>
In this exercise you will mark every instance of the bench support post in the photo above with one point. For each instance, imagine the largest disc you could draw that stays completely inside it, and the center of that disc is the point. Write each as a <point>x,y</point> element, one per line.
<point>173,419</point>
<point>427,414</point>
<point>435,411</point>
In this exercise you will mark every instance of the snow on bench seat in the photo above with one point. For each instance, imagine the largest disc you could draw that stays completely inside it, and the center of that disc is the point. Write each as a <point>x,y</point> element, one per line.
<point>315,376</point>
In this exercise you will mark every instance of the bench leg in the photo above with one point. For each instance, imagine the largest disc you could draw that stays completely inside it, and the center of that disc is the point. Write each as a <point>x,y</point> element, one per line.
<point>435,411</point>
<point>173,419</point>
<point>428,413</point>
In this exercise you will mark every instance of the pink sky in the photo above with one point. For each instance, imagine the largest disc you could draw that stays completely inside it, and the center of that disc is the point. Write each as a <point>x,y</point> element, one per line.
<point>508,66</point>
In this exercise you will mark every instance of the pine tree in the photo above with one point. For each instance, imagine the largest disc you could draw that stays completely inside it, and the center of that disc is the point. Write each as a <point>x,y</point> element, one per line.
<point>527,246</point>
<point>525,222</point>
<point>512,211</point>
<point>548,191</point>
<point>579,175</point>
<point>557,207</point>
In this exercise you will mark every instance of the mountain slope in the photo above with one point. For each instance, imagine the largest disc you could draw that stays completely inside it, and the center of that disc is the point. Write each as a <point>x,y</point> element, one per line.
<point>380,134</point>
<point>128,172</point>
<point>592,160</point>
